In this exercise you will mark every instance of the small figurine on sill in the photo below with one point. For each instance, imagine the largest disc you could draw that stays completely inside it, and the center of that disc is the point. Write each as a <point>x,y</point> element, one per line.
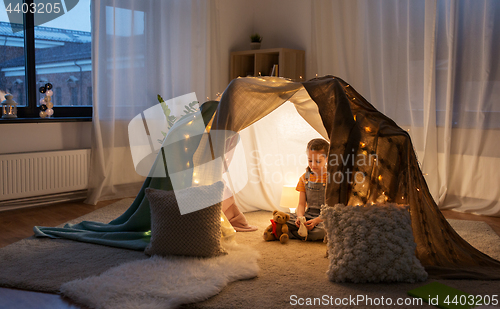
<point>46,104</point>
<point>9,107</point>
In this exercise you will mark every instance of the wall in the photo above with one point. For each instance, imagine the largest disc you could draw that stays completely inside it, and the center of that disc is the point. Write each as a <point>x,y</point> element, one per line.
<point>235,26</point>
<point>284,24</point>
<point>280,23</point>
<point>31,137</point>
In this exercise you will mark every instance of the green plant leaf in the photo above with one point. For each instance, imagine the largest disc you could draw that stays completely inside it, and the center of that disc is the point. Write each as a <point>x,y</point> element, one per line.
<point>255,38</point>
<point>164,136</point>
<point>171,120</point>
<point>164,106</point>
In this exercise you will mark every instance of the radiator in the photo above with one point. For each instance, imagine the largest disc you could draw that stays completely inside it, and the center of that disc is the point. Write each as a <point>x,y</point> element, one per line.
<point>25,175</point>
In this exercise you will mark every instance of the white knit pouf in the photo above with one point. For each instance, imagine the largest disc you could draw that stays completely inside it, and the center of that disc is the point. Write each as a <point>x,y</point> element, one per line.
<point>372,243</point>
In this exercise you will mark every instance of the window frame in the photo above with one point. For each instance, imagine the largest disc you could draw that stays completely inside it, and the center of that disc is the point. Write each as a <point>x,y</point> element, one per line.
<point>30,112</point>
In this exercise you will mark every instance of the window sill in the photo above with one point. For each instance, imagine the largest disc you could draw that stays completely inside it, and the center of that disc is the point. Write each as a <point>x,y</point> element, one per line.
<point>40,120</point>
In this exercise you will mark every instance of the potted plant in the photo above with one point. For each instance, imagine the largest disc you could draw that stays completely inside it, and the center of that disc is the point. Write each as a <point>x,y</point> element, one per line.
<point>255,40</point>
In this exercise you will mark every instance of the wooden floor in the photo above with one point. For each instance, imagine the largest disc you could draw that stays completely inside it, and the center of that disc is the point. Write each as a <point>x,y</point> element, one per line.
<point>493,222</point>
<point>18,224</point>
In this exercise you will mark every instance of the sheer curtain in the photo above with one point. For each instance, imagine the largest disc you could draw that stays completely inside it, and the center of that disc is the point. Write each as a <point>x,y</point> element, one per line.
<point>432,67</point>
<point>142,48</point>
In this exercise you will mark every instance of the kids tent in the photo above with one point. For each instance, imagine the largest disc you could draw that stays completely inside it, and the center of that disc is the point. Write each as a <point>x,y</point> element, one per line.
<point>354,128</point>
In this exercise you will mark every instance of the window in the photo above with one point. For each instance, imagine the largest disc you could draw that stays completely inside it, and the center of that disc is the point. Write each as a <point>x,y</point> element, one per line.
<point>20,92</point>
<point>58,96</point>
<point>74,95</point>
<point>57,51</point>
<point>12,48</point>
<point>89,95</point>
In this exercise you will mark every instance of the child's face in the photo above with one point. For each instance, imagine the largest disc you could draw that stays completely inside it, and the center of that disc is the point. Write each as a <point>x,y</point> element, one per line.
<point>317,161</point>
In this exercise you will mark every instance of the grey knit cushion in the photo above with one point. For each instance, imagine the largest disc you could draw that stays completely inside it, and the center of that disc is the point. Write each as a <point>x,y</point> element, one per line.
<point>193,234</point>
<point>371,243</point>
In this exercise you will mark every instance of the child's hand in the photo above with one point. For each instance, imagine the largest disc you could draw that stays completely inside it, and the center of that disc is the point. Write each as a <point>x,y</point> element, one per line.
<point>297,222</point>
<point>310,224</point>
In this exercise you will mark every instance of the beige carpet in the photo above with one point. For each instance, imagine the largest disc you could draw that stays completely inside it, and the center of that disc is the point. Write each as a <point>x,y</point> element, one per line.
<point>297,268</point>
<point>42,264</point>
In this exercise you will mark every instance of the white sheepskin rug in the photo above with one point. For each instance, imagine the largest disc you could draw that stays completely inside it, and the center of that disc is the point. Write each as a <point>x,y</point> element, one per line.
<point>163,282</point>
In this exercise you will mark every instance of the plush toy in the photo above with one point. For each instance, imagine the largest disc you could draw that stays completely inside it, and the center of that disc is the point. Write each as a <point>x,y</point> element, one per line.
<point>278,228</point>
<point>303,229</point>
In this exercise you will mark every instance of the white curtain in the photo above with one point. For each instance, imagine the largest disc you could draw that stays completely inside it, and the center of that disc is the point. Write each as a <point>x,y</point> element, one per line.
<point>142,48</point>
<point>433,67</point>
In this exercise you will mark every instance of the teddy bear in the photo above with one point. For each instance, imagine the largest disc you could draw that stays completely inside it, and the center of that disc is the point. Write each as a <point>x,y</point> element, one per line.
<point>278,228</point>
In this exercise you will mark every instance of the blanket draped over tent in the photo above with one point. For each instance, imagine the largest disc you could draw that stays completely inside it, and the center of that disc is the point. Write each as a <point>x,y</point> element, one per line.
<point>390,170</point>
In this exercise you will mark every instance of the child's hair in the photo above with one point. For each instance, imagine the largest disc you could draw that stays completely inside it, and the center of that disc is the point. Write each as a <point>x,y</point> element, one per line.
<point>319,144</point>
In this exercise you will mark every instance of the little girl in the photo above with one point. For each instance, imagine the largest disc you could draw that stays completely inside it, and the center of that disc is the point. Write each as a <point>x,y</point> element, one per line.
<point>312,192</point>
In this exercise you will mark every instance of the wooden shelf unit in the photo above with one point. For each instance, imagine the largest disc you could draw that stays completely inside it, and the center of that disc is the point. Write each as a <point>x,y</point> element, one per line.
<point>291,63</point>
